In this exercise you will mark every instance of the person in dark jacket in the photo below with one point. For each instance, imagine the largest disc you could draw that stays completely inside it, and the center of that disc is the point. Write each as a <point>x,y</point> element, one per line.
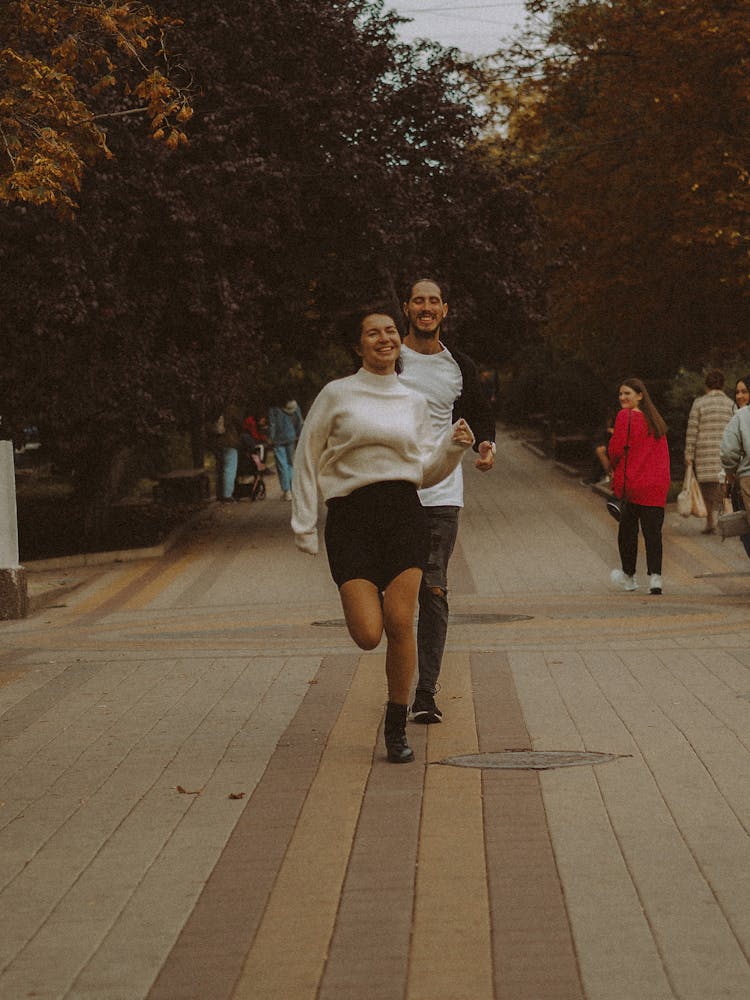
<point>448,379</point>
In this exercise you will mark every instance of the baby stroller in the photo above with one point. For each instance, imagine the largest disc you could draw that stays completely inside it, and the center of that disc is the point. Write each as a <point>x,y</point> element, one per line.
<point>250,470</point>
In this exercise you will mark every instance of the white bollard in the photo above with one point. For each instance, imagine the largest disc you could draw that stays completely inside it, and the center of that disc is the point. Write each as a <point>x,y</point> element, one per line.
<point>14,601</point>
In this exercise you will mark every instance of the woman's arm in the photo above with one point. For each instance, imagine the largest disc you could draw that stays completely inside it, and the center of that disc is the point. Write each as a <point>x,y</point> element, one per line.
<point>310,447</point>
<point>440,457</point>
<point>691,434</point>
<point>616,448</point>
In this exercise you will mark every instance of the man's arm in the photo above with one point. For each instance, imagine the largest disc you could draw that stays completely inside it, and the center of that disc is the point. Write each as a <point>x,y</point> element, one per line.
<point>473,406</point>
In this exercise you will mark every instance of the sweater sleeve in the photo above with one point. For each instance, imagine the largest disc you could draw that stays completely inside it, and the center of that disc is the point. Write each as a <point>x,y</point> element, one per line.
<point>472,404</point>
<point>691,435</point>
<point>731,444</point>
<point>616,448</point>
<point>440,456</point>
<point>310,447</point>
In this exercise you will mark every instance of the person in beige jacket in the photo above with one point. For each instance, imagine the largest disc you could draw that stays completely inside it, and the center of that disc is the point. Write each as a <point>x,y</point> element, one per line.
<point>709,415</point>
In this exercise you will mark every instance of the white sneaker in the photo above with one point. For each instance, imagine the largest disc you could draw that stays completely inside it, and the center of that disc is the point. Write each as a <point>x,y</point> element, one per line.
<point>618,579</point>
<point>286,495</point>
<point>654,586</point>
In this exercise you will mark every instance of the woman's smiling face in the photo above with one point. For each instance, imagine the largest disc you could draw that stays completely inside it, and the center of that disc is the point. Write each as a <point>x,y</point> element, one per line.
<point>379,344</point>
<point>741,394</point>
<point>629,398</point>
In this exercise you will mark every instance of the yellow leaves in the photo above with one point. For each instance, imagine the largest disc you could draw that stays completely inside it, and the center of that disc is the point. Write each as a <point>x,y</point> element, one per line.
<point>66,53</point>
<point>49,125</point>
<point>108,80</point>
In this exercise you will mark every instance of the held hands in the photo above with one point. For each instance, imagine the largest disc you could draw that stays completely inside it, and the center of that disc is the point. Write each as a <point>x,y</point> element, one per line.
<point>462,433</point>
<point>486,457</point>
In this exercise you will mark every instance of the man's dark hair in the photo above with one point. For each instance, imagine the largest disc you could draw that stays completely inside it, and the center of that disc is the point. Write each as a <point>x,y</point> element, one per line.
<point>714,378</point>
<point>440,284</point>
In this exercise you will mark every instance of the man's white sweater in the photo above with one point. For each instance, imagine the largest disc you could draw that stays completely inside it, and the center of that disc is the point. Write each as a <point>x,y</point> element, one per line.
<point>360,430</point>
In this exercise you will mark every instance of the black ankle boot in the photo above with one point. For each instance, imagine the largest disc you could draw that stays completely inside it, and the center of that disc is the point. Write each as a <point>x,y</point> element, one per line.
<point>399,751</point>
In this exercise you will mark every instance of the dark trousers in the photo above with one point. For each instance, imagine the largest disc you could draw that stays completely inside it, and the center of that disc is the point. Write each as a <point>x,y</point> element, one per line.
<point>650,520</point>
<point>739,504</point>
<point>432,625</point>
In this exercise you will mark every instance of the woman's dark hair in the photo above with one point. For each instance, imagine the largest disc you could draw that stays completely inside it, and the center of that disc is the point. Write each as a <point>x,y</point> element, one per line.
<point>352,329</point>
<point>745,380</point>
<point>657,427</point>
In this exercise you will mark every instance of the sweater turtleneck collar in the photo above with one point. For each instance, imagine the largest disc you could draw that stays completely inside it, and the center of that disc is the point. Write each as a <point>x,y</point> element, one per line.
<point>377,381</point>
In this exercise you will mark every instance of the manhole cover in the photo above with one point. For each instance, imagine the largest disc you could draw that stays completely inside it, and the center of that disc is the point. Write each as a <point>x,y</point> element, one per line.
<point>530,760</point>
<point>486,619</point>
<point>457,619</point>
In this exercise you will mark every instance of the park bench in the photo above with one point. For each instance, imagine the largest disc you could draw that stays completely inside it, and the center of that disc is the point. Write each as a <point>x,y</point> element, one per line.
<point>182,486</point>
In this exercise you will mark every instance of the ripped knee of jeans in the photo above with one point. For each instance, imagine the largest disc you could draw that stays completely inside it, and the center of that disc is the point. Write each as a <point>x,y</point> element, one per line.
<point>438,591</point>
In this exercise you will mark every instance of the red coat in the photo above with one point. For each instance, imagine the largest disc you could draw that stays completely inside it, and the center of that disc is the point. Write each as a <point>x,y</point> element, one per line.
<point>647,474</point>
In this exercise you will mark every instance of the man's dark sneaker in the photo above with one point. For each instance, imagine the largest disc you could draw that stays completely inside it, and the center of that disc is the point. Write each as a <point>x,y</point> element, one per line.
<point>424,709</point>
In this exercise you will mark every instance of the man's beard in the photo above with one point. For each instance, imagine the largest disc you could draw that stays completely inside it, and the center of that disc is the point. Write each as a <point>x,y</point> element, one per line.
<point>425,334</point>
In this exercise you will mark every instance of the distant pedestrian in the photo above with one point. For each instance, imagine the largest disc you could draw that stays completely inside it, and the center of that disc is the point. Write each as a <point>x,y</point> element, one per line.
<point>284,428</point>
<point>709,415</point>
<point>640,463</point>
<point>254,436</point>
<point>735,452</point>
<point>601,467</point>
<point>226,433</point>
<point>368,444</point>
<point>742,393</point>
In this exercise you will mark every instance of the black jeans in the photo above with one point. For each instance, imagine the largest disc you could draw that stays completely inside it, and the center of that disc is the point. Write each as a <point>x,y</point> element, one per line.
<point>739,504</point>
<point>432,625</point>
<point>651,520</point>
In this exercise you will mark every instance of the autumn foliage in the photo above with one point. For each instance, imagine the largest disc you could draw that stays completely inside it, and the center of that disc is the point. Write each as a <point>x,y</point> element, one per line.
<point>631,117</point>
<point>60,61</point>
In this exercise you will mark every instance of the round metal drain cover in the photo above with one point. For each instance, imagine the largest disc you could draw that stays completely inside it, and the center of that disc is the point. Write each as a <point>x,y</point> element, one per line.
<point>457,619</point>
<point>482,618</point>
<point>530,760</point>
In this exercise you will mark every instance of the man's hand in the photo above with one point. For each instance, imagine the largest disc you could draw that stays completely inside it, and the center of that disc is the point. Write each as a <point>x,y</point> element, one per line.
<point>486,456</point>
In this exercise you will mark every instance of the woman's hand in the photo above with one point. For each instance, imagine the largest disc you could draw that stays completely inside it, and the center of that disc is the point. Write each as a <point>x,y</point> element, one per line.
<point>462,433</point>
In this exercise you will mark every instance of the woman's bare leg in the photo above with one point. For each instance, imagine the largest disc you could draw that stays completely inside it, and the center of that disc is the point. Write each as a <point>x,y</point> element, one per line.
<point>399,609</point>
<point>363,611</point>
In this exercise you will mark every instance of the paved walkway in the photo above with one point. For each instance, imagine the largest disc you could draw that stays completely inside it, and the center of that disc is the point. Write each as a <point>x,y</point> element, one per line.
<point>195,805</point>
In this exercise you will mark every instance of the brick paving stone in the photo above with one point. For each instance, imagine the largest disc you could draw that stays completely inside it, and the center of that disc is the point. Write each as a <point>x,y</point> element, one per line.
<point>620,881</point>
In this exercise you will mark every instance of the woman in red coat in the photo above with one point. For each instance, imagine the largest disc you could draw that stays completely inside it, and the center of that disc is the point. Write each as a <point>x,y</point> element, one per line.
<point>640,463</point>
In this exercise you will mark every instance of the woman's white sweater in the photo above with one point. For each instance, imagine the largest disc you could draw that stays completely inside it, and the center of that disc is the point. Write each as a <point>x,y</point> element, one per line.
<point>360,430</point>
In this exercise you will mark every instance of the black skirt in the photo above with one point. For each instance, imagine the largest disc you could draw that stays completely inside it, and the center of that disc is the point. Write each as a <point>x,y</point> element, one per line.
<point>376,533</point>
